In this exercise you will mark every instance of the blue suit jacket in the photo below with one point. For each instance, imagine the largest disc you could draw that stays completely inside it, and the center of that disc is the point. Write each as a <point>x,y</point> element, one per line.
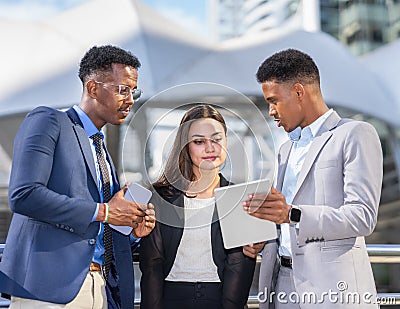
<point>53,194</point>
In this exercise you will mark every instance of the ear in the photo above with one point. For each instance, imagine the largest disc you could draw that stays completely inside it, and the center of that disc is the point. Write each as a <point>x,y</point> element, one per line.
<point>299,89</point>
<point>91,88</point>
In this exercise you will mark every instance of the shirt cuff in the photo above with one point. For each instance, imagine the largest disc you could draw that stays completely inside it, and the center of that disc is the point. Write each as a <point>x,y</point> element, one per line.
<point>96,212</point>
<point>133,239</point>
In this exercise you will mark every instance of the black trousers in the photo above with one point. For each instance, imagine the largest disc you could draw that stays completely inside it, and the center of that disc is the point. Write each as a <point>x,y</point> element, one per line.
<point>192,295</point>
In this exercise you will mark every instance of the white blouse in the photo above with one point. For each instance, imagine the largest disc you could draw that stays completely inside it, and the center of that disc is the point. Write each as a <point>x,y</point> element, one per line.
<point>194,261</point>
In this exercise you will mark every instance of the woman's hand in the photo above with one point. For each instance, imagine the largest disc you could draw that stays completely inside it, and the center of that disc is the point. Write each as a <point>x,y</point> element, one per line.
<point>252,250</point>
<point>147,225</point>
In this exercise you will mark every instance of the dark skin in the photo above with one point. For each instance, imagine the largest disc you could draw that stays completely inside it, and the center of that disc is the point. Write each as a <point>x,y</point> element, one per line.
<point>292,105</point>
<point>103,104</point>
<point>272,207</point>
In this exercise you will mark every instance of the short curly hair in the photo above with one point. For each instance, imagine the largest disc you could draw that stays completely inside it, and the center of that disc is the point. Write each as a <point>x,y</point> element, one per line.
<point>288,66</point>
<point>99,59</point>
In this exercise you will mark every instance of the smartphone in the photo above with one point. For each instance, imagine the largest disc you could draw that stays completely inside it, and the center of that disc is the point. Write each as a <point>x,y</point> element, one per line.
<point>135,193</point>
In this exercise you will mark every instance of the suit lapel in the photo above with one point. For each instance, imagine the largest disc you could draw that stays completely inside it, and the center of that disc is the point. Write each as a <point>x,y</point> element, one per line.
<point>179,208</point>
<point>178,214</point>
<point>283,159</point>
<point>113,171</point>
<point>83,142</point>
<point>177,232</point>
<point>323,135</point>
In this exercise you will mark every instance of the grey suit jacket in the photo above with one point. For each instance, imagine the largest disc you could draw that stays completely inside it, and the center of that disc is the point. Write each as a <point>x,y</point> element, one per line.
<point>338,192</point>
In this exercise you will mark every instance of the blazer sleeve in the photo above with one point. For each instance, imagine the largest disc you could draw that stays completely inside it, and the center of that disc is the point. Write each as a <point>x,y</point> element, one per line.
<point>238,277</point>
<point>35,150</point>
<point>359,183</point>
<point>151,265</point>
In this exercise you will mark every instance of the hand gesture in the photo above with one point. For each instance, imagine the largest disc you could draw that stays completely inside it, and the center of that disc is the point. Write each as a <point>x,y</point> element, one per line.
<point>252,250</point>
<point>271,206</point>
<point>147,225</point>
<point>124,212</point>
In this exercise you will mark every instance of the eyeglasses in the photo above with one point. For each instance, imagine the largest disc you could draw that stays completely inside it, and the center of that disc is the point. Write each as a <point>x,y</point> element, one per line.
<point>125,90</point>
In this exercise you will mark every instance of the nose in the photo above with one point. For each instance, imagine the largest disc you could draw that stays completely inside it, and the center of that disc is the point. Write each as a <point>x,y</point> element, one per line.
<point>129,100</point>
<point>209,145</point>
<point>272,111</point>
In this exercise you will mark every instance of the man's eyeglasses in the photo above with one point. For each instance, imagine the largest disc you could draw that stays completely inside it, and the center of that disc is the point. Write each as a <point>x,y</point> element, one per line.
<point>125,90</point>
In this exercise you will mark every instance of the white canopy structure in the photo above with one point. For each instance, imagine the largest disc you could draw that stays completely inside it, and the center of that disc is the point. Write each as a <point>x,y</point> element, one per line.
<point>40,59</point>
<point>40,62</point>
<point>345,81</point>
<point>384,62</point>
<point>39,66</point>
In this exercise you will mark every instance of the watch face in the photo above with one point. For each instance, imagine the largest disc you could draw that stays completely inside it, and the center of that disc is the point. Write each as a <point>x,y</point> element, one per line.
<point>295,215</point>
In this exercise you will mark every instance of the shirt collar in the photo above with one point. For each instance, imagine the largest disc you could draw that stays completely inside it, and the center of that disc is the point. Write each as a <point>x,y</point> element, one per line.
<point>295,134</point>
<point>313,127</point>
<point>88,124</point>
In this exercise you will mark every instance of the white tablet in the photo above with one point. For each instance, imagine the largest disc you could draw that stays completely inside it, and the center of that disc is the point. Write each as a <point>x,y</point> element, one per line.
<point>237,226</point>
<point>135,193</point>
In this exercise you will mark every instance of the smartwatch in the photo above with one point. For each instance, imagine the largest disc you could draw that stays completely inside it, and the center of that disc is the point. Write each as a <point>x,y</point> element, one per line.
<point>294,215</point>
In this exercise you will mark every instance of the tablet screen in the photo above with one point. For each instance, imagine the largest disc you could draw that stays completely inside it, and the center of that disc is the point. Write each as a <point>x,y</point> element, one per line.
<point>238,228</point>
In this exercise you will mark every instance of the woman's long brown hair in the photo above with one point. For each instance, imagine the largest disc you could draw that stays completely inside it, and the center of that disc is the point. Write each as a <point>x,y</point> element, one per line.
<point>178,172</point>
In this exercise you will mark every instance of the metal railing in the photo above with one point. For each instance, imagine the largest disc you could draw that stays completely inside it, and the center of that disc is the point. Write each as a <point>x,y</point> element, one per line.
<point>377,254</point>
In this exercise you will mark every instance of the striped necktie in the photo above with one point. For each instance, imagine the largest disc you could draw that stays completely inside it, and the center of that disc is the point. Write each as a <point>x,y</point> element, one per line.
<point>105,180</point>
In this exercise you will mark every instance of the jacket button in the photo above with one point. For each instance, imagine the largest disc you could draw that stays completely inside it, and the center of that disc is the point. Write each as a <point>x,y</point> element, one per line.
<point>71,229</point>
<point>92,241</point>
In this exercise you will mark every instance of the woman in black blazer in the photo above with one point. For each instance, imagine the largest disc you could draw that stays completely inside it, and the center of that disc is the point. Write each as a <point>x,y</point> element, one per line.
<point>183,261</point>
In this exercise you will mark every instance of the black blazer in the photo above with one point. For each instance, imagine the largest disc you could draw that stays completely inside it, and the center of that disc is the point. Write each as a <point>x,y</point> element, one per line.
<point>158,251</point>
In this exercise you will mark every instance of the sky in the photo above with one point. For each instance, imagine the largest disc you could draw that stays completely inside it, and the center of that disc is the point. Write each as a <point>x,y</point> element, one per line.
<point>189,13</point>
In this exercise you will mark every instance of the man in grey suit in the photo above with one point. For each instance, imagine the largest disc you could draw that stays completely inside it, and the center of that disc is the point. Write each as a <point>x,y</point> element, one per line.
<point>64,190</point>
<point>326,198</point>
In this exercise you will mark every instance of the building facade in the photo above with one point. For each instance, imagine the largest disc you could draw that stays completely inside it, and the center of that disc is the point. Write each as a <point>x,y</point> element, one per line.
<point>362,25</point>
<point>234,18</point>
<point>226,19</point>
<point>263,15</point>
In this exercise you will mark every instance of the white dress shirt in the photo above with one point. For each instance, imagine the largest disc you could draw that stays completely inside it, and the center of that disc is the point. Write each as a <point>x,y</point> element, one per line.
<point>302,139</point>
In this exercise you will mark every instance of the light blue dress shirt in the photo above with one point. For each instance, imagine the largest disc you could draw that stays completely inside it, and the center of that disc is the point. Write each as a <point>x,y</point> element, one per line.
<point>302,140</point>
<point>91,129</point>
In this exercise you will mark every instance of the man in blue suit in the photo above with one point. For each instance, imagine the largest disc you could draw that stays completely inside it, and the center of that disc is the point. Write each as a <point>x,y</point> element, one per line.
<point>64,191</point>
